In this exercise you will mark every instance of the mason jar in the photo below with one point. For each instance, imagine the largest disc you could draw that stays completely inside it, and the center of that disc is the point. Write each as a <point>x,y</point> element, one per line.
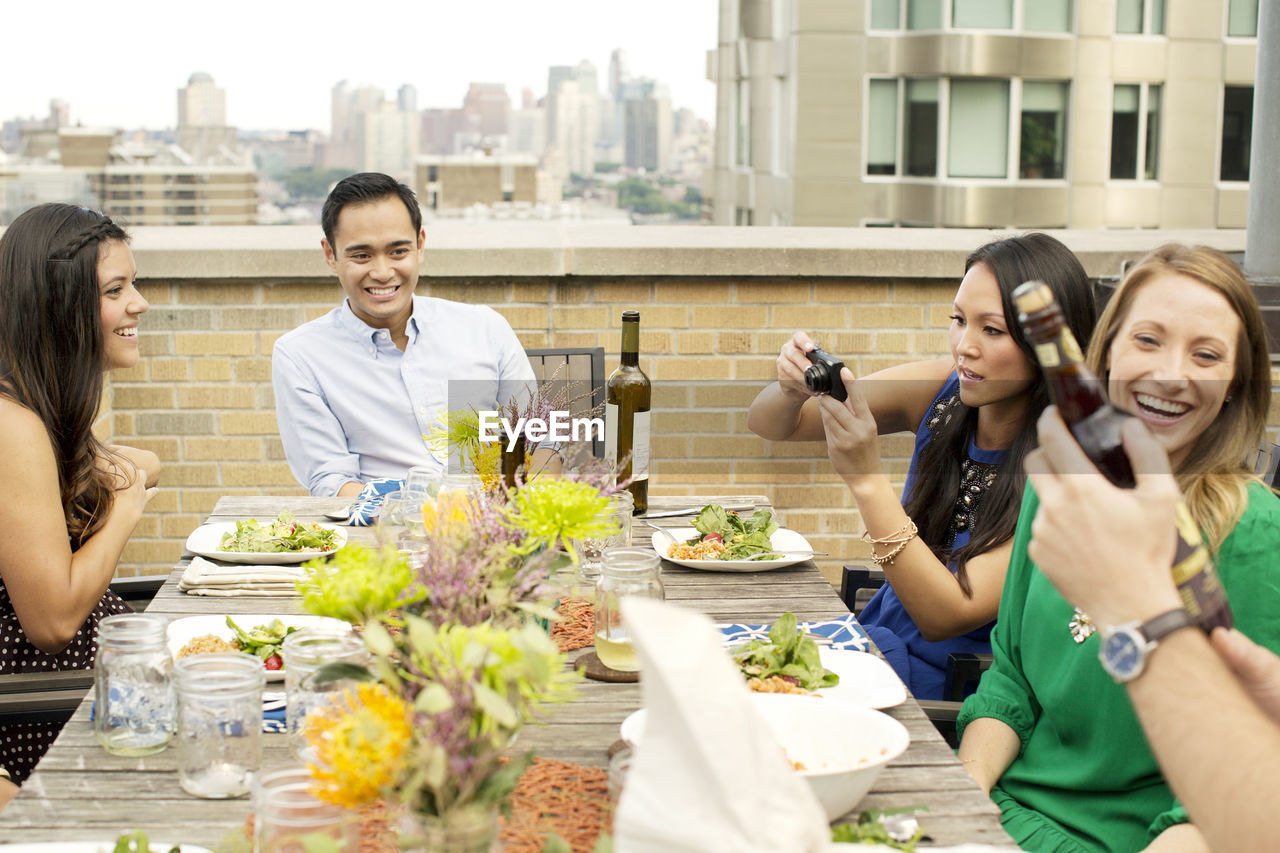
<point>287,814</point>
<point>625,573</point>
<point>132,691</point>
<point>219,722</point>
<point>304,653</point>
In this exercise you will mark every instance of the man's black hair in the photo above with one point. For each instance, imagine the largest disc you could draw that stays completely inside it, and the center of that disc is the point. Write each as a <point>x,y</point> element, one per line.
<point>365,188</point>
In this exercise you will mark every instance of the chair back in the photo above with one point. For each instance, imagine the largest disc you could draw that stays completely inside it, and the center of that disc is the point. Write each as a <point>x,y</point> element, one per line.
<point>1265,462</point>
<point>579,371</point>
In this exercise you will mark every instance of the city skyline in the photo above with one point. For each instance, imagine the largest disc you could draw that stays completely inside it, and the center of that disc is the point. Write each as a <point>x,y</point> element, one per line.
<point>120,66</point>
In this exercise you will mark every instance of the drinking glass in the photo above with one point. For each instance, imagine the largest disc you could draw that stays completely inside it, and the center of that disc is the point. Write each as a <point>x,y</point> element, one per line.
<point>219,722</point>
<point>133,690</point>
<point>625,573</point>
<point>304,653</point>
<point>285,811</point>
<point>591,550</point>
<point>391,529</point>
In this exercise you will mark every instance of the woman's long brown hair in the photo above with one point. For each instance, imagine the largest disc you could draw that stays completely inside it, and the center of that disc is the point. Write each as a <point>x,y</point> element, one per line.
<point>51,358</point>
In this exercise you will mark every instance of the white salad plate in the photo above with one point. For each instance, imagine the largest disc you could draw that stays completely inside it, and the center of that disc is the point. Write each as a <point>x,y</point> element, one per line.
<point>204,541</point>
<point>865,679</point>
<point>184,630</point>
<point>796,547</point>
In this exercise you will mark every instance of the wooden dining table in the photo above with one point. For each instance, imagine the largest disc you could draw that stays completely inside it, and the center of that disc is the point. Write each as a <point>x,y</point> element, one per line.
<point>80,792</point>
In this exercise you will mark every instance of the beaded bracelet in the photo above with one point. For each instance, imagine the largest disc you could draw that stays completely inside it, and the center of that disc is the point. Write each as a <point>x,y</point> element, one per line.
<point>899,539</point>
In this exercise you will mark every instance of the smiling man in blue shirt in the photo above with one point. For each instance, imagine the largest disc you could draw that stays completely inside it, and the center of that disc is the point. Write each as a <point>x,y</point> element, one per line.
<point>358,389</point>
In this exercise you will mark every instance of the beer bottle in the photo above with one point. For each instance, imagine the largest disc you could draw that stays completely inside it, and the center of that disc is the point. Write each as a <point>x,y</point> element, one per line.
<point>511,461</point>
<point>627,414</point>
<point>1096,424</point>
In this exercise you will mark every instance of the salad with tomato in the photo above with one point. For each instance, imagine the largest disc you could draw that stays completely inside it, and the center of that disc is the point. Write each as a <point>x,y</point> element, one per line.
<point>286,533</point>
<point>742,538</point>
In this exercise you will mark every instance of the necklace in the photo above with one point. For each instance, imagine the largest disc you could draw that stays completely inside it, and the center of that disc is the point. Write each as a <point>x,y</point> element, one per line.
<point>1081,626</point>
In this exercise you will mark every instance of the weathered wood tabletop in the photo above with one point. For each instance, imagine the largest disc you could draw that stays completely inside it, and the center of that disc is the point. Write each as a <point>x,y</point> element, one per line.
<point>79,792</point>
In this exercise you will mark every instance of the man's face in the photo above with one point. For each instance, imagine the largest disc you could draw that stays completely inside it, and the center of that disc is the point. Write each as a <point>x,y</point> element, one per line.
<point>375,256</point>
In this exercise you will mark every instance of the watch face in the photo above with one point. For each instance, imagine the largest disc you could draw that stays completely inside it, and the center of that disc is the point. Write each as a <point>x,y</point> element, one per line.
<point>1122,654</point>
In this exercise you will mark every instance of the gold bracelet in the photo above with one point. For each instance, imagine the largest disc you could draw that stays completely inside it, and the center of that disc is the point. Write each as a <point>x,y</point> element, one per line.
<point>899,539</point>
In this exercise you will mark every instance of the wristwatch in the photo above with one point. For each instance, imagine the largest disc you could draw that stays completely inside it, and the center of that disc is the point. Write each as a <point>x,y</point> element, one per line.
<point>1125,647</point>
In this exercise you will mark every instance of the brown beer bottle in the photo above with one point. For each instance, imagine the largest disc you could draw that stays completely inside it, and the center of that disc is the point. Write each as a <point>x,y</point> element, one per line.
<point>626,421</point>
<point>1096,424</point>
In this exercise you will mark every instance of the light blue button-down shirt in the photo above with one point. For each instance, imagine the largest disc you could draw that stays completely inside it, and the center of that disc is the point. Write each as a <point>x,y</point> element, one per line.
<point>352,407</point>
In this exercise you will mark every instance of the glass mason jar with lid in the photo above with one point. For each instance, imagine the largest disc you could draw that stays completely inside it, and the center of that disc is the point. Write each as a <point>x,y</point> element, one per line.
<point>625,573</point>
<point>132,692</point>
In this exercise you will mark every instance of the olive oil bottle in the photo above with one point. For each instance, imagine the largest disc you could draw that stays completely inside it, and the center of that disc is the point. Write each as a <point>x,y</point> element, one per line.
<point>628,395</point>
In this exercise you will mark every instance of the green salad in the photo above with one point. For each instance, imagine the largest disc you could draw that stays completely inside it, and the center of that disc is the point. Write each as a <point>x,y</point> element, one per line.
<point>286,533</point>
<point>787,653</point>
<point>742,539</point>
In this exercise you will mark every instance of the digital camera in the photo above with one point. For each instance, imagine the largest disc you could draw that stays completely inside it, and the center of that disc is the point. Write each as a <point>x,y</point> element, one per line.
<point>823,377</point>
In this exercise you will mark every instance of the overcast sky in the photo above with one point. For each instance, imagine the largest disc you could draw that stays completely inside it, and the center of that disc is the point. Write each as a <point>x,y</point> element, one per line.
<point>119,63</point>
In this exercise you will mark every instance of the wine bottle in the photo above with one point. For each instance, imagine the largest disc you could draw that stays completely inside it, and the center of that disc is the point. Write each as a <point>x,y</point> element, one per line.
<point>511,461</point>
<point>626,415</point>
<point>1095,423</point>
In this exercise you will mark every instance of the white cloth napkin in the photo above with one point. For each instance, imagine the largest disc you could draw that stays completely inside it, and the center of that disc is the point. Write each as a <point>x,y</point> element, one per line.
<point>709,775</point>
<point>205,577</point>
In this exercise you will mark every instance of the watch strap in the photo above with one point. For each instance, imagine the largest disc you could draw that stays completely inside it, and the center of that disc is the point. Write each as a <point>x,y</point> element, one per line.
<point>1159,627</point>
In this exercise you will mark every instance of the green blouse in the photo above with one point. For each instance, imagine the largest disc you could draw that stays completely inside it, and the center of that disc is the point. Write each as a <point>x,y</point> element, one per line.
<point>1085,779</point>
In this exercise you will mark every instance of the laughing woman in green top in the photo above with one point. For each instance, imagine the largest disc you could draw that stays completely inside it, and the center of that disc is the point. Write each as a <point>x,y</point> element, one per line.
<point>1181,346</point>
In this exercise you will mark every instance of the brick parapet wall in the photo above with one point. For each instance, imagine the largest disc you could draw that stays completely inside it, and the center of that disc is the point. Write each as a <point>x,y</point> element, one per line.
<point>201,397</point>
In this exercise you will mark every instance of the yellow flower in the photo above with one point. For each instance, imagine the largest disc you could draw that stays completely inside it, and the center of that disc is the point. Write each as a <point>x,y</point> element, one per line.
<point>359,742</point>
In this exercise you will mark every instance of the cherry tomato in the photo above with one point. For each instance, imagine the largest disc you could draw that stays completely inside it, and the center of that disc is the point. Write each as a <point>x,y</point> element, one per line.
<point>273,663</point>
<point>713,537</point>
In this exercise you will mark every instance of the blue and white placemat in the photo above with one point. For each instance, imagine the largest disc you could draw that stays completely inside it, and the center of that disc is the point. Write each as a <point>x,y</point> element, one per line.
<point>844,632</point>
<point>367,505</point>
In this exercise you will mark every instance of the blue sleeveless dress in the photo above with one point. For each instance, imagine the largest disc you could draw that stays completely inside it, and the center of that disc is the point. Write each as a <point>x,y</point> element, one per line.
<point>918,662</point>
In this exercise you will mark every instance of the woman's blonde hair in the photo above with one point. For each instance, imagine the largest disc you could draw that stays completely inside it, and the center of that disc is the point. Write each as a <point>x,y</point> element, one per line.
<point>1213,476</point>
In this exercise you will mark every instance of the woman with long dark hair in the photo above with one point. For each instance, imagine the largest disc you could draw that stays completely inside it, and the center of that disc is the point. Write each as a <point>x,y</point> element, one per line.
<point>944,548</point>
<point>68,312</point>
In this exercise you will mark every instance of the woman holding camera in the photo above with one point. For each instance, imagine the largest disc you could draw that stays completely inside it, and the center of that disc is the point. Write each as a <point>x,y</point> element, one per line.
<point>945,547</point>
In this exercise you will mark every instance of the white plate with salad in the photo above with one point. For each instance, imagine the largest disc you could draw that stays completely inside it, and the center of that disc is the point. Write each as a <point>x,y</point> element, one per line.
<point>722,540</point>
<point>279,542</point>
<point>260,634</point>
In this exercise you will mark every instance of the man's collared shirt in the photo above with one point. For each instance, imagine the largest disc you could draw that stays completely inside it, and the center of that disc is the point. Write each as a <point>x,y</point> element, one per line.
<point>352,407</point>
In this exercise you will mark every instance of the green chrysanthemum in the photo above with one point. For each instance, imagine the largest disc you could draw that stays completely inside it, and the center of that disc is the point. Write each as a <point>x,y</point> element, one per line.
<point>552,512</point>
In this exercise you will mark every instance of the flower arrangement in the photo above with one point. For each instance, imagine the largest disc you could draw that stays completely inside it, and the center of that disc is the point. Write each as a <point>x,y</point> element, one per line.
<point>460,654</point>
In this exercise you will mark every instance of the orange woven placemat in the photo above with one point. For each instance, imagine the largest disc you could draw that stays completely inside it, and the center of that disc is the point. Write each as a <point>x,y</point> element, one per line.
<point>577,626</point>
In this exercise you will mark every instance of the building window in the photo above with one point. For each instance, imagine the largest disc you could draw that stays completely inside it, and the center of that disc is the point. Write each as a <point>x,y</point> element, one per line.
<point>1047,16</point>
<point>1043,130</point>
<point>742,154</point>
<point>433,173</point>
<point>742,216</point>
<point>886,14</point>
<point>982,14</point>
<point>924,14</point>
<point>1242,18</point>
<point>782,127</point>
<point>1145,17</point>
<point>1135,131</point>
<point>1237,130</point>
<point>882,128</point>
<point>978,137</point>
<point>921,128</point>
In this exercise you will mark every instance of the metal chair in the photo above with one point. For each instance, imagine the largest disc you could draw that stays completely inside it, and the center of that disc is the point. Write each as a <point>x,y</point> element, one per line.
<point>52,697</point>
<point>1265,462</point>
<point>581,369</point>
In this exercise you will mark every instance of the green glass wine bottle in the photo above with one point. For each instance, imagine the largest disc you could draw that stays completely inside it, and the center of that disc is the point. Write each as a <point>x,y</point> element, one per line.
<point>627,414</point>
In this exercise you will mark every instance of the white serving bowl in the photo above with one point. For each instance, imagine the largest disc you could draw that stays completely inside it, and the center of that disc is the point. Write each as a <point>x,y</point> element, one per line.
<point>842,746</point>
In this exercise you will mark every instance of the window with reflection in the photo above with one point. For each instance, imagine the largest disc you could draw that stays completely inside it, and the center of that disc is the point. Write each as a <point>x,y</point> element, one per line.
<point>1042,130</point>
<point>1242,18</point>
<point>982,14</point>
<point>1047,16</point>
<point>886,14</point>
<point>924,14</point>
<point>882,127</point>
<point>978,137</point>
<point>920,128</point>
<point>1135,131</point>
<point>1140,17</point>
<point>1237,132</point>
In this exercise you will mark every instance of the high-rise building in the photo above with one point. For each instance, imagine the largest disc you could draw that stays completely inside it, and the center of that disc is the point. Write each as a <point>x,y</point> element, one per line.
<point>488,109</point>
<point>1020,113</point>
<point>646,124</point>
<point>347,106</point>
<point>203,132</point>
<point>388,140</point>
<point>573,115</point>
<point>407,99</point>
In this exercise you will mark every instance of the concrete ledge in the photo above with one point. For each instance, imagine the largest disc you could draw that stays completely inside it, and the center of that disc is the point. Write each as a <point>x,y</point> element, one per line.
<point>582,249</point>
